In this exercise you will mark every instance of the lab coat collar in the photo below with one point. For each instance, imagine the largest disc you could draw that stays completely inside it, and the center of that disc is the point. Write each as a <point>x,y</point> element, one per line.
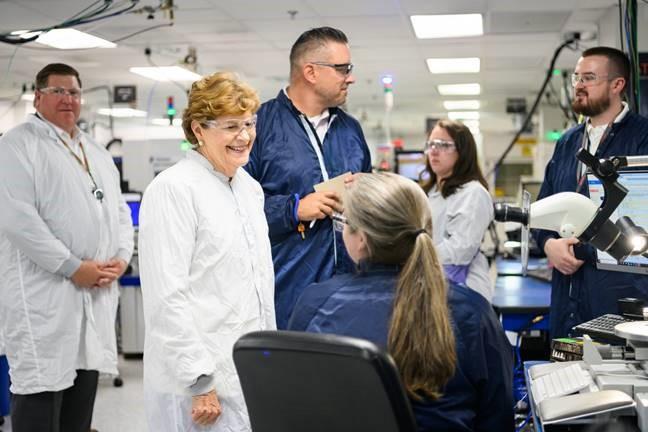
<point>52,129</point>
<point>201,160</point>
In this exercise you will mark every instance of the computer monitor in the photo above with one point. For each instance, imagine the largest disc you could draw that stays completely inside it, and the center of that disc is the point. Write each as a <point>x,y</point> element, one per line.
<point>634,206</point>
<point>409,163</point>
<point>133,200</point>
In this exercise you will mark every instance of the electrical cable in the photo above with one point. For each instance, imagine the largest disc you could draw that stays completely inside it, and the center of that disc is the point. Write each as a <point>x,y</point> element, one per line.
<point>621,25</point>
<point>176,83</point>
<point>11,59</point>
<point>110,105</point>
<point>13,104</point>
<point>93,16</point>
<point>141,31</point>
<point>526,121</point>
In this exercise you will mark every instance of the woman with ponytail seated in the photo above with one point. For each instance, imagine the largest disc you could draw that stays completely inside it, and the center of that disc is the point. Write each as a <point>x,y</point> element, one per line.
<point>454,359</point>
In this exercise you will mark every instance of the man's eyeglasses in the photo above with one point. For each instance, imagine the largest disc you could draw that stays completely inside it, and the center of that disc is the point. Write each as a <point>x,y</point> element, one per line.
<point>339,221</point>
<point>60,92</point>
<point>343,68</point>
<point>233,127</point>
<point>439,144</point>
<point>589,79</point>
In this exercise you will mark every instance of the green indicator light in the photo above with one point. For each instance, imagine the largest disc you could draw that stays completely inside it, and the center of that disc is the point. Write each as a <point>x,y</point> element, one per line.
<point>556,72</point>
<point>185,145</point>
<point>553,135</point>
<point>171,111</point>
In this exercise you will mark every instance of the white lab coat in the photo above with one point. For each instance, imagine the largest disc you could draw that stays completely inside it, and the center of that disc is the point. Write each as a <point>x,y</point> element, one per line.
<point>459,223</point>
<point>207,279</point>
<point>49,222</point>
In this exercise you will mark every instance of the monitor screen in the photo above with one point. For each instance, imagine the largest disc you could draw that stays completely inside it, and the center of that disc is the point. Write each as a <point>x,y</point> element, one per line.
<point>134,200</point>
<point>409,163</point>
<point>634,206</point>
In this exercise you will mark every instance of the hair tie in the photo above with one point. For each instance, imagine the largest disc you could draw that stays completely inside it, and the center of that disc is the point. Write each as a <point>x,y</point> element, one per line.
<point>419,232</point>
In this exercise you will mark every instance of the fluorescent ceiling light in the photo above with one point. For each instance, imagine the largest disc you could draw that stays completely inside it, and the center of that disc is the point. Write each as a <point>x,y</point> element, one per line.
<point>165,121</point>
<point>446,26</point>
<point>72,39</point>
<point>453,65</point>
<point>461,105</point>
<point>463,115</point>
<point>166,73</point>
<point>459,89</point>
<point>121,112</point>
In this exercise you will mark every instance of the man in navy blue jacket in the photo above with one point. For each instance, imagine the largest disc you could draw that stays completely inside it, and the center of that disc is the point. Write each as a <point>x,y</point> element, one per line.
<point>304,138</point>
<point>580,292</point>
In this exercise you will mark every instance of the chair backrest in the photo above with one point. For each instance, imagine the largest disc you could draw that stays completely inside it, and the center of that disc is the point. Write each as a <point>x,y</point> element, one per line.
<point>294,381</point>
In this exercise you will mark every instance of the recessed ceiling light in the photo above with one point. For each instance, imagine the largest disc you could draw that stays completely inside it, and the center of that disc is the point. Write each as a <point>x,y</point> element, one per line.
<point>453,65</point>
<point>71,39</point>
<point>121,112</point>
<point>446,26</point>
<point>463,115</point>
<point>459,89</point>
<point>461,104</point>
<point>166,73</point>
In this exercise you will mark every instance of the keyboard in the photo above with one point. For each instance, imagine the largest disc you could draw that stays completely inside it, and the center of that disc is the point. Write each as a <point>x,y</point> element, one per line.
<point>561,382</point>
<point>602,327</point>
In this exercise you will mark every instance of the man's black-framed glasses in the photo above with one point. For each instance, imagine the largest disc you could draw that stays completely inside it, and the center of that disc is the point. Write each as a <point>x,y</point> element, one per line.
<point>343,68</point>
<point>339,220</point>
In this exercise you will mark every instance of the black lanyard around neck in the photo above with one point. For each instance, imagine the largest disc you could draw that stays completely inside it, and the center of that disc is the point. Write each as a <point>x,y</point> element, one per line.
<point>581,172</point>
<point>85,165</point>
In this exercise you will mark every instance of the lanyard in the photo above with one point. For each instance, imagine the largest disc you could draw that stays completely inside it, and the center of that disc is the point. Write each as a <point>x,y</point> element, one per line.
<point>85,165</point>
<point>315,143</point>
<point>581,172</point>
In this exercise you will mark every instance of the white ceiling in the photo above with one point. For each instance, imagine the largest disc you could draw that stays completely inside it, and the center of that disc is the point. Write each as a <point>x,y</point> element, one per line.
<point>253,37</point>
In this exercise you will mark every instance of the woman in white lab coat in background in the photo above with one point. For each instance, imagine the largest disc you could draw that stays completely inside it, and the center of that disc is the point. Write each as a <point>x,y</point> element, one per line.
<point>205,265</point>
<point>461,206</point>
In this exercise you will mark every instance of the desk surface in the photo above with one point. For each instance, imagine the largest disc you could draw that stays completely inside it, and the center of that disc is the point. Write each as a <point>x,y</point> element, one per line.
<point>517,294</point>
<point>513,267</point>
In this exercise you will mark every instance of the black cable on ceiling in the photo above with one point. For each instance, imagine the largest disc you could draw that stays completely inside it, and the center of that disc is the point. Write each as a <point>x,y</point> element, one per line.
<point>538,98</point>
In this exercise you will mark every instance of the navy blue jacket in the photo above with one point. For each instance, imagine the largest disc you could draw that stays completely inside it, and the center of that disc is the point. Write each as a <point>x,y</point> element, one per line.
<point>593,292</point>
<point>285,163</point>
<point>478,398</point>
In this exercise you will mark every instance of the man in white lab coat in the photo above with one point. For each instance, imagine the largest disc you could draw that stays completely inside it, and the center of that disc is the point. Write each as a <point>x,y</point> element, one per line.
<point>65,238</point>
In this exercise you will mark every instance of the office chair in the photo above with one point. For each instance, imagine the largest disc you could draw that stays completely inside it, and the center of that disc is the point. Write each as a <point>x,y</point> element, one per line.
<point>294,381</point>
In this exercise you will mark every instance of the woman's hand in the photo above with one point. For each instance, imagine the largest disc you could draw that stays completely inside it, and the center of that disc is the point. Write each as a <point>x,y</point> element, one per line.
<point>205,408</point>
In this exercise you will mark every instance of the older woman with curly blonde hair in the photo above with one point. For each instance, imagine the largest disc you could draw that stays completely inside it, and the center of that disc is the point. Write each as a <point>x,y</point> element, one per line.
<point>205,264</point>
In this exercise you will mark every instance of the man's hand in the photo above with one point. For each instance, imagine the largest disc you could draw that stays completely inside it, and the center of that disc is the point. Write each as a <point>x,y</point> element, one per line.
<point>318,205</point>
<point>90,273</point>
<point>561,254</point>
<point>117,266</point>
<point>348,180</point>
<point>205,408</point>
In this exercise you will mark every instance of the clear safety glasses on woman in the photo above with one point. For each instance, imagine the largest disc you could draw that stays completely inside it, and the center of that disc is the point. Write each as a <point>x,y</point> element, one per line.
<point>233,127</point>
<point>440,145</point>
<point>339,221</point>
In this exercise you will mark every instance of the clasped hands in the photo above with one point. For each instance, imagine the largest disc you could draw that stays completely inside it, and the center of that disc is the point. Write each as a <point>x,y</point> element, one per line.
<point>205,408</point>
<point>99,274</point>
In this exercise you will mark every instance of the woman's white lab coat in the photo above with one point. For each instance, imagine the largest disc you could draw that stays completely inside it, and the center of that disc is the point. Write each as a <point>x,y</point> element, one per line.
<point>207,279</point>
<point>459,223</point>
<point>49,222</point>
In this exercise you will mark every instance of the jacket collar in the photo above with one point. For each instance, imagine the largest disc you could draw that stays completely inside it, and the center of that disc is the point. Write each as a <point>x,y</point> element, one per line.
<point>201,160</point>
<point>283,99</point>
<point>367,267</point>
